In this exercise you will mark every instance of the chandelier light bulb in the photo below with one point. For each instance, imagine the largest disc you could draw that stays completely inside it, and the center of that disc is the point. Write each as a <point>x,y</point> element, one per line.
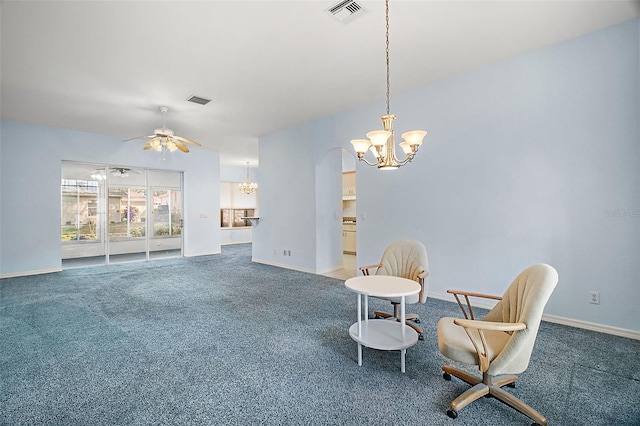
<point>379,137</point>
<point>414,137</point>
<point>361,145</point>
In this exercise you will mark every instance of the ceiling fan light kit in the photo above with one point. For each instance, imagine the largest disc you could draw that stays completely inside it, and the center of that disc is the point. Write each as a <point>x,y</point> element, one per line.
<point>163,140</point>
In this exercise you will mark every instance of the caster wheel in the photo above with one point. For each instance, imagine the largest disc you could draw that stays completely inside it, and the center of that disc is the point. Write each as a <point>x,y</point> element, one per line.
<point>452,413</point>
<point>376,317</point>
<point>447,377</point>
<point>417,320</point>
<point>512,386</point>
<point>421,337</point>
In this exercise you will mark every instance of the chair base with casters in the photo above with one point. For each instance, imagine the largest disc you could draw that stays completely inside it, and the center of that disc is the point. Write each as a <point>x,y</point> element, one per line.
<point>488,386</point>
<point>412,320</point>
<point>500,344</point>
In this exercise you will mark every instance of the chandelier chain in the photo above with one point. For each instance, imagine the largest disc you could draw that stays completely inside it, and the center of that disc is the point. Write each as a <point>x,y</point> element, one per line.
<point>387,54</point>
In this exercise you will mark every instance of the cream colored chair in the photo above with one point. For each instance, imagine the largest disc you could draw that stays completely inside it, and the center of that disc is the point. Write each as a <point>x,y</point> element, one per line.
<point>406,259</point>
<point>501,343</point>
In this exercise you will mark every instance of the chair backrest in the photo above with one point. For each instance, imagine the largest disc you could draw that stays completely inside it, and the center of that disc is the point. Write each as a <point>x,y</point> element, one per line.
<point>406,259</point>
<point>524,302</point>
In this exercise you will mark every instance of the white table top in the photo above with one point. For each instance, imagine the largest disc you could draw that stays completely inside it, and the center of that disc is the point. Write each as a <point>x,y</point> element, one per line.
<point>383,286</point>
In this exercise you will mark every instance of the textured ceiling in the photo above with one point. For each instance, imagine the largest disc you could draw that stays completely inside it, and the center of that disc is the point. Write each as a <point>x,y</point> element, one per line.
<point>107,66</point>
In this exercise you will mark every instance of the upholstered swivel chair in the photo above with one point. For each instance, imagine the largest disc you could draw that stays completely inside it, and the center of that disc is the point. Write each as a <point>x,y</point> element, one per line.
<point>501,343</point>
<point>406,259</point>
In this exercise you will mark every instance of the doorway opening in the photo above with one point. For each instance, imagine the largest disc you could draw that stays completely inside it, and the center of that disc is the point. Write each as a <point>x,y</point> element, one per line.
<point>349,223</point>
<point>113,214</point>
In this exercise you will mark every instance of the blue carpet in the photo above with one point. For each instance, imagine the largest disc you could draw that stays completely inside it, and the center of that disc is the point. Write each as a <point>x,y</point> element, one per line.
<point>219,340</point>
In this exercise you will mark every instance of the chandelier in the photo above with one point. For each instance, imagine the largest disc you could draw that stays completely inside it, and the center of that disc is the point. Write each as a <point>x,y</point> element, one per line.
<point>248,187</point>
<point>382,142</point>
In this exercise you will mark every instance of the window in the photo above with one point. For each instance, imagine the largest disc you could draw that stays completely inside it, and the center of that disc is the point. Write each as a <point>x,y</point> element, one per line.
<point>79,210</point>
<point>167,215</point>
<point>127,212</point>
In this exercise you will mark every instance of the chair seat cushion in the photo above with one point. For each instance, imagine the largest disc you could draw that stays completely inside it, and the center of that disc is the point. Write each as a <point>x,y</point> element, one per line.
<point>454,343</point>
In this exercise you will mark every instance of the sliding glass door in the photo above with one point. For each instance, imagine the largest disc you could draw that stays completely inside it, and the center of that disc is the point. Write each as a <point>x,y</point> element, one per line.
<point>166,222</point>
<point>119,214</point>
<point>127,215</point>
<point>82,227</point>
<point>165,239</point>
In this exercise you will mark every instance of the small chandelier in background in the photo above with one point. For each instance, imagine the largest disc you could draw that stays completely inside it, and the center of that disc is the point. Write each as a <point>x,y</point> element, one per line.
<point>248,187</point>
<point>382,142</point>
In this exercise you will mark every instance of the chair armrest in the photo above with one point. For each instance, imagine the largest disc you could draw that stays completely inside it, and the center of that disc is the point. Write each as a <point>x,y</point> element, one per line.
<point>470,294</point>
<point>489,325</point>
<point>481,327</point>
<point>467,295</point>
<point>365,269</point>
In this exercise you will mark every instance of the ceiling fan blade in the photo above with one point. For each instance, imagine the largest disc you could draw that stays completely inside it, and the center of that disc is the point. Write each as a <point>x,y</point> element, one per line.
<point>179,144</point>
<point>181,139</point>
<point>138,137</point>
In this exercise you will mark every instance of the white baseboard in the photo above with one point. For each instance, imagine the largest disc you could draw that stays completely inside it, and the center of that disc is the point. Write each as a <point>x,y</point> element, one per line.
<point>228,243</point>
<point>201,254</point>
<point>329,270</point>
<point>27,273</point>
<point>616,331</point>
<point>280,265</point>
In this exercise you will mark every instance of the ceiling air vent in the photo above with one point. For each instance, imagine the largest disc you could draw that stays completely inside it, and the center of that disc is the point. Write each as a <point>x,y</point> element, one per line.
<point>198,100</point>
<point>346,11</point>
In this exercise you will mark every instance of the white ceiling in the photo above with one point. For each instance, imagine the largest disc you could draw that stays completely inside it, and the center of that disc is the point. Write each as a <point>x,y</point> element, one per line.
<point>107,66</point>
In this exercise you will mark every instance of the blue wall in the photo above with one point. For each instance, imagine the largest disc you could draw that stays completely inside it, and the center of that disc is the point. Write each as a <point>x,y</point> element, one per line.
<point>532,159</point>
<point>30,159</point>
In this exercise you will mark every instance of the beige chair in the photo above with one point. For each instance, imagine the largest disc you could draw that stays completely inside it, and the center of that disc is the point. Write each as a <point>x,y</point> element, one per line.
<point>501,343</point>
<point>406,259</point>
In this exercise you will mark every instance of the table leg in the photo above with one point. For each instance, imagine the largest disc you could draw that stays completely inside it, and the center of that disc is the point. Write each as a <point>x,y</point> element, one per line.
<point>403,316</point>
<point>366,307</point>
<point>359,316</point>
<point>360,328</point>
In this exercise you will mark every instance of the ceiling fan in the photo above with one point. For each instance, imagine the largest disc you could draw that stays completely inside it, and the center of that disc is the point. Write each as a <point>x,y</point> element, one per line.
<point>122,171</point>
<point>100,174</point>
<point>164,139</point>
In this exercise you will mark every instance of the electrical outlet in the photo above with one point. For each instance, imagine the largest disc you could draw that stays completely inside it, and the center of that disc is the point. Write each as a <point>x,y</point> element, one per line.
<point>288,252</point>
<point>594,297</point>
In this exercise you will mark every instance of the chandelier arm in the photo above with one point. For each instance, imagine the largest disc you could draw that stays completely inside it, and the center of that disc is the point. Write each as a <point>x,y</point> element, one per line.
<point>368,162</point>
<point>405,161</point>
